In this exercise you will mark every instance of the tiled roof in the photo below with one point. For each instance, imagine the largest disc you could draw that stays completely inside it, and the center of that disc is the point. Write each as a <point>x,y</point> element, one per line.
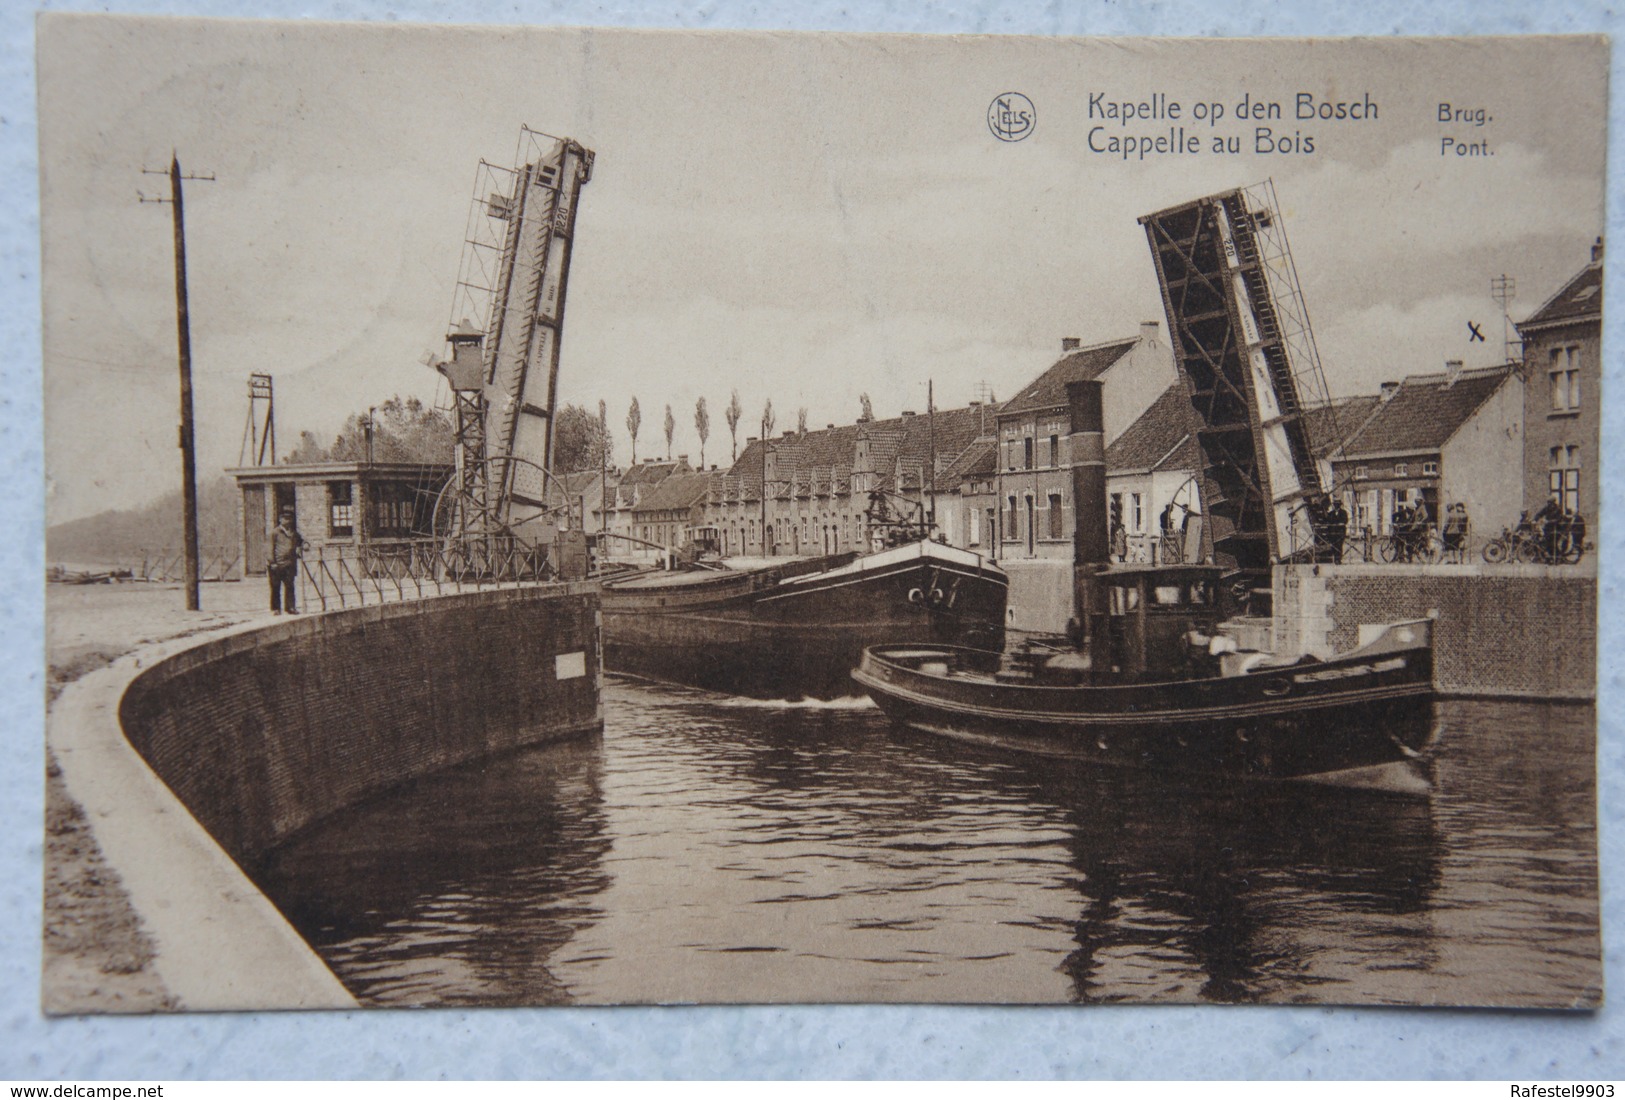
<point>1048,390</point>
<point>1330,425</point>
<point>1424,412</point>
<point>978,462</point>
<point>1186,456</point>
<point>678,492</point>
<point>905,439</point>
<point>1144,444</point>
<point>1581,298</point>
<point>648,473</point>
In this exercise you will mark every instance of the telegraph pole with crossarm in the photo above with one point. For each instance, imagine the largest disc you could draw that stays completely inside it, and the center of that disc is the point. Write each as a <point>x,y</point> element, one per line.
<point>183,331</point>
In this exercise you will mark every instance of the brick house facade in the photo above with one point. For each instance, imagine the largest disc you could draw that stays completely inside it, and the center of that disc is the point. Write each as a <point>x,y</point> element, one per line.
<point>1562,362</point>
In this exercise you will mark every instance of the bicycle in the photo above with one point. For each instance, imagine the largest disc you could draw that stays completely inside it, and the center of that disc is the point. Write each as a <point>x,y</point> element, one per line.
<point>1524,545</point>
<point>1427,548</point>
<point>1507,545</point>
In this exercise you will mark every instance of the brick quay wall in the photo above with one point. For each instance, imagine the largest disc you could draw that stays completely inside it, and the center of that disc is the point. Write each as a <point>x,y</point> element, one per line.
<point>1518,631</point>
<point>264,732</point>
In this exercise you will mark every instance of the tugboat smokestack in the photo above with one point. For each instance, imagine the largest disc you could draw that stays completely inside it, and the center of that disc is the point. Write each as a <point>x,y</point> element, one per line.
<point>1091,537</point>
<point>1091,540</point>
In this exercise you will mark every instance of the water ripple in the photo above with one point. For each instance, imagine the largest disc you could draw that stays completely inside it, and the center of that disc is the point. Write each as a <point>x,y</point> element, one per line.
<point>708,848</point>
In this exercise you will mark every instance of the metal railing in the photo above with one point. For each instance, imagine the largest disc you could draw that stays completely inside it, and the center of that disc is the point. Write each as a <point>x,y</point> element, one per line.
<point>166,566</point>
<point>1152,550</point>
<point>340,575</point>
<point>1366,546</point>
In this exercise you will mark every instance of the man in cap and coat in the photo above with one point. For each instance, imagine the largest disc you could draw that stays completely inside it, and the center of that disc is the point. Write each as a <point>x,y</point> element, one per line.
<point>283,566</point>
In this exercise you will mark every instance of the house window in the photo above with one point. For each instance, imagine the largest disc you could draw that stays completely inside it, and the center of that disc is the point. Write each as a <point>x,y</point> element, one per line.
<point>1565,477</point>
<point>1565,379</point>
<point>393,510</point>
<point>1360,473</point>
<point>1365,511</point>
<point>1430,469</point>
<point>1137,509</point>
<point>1054,450</point>
<point>1027,445</point>
<point>340,509</point>
<point>1010,532</point>
<point>1401,470</point>
<point>972,531</point>
<point>1055,513</point>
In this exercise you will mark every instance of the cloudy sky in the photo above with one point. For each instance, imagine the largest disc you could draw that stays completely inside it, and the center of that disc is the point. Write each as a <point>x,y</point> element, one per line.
<point>798,217</point>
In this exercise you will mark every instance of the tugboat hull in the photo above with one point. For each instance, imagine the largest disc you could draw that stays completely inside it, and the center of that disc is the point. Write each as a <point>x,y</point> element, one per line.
<point>1357,711</point>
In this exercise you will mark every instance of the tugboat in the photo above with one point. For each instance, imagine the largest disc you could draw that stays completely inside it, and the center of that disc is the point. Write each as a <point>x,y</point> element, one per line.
<point>1154,676</point>
<point>796,630</point>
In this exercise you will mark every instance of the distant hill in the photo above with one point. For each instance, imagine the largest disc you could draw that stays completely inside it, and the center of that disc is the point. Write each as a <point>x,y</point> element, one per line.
<point>115,537</point>
<point>403,430</point>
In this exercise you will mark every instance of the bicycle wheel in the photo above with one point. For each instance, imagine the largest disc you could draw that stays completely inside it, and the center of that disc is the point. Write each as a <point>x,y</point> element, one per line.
<point>1572,553</point>
<point>1527,552</point>
<point>1495,551</point>
<point>1387,549</point>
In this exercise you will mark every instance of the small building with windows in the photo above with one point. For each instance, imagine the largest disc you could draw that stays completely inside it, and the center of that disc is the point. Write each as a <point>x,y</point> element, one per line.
<point>665,512</point>
<point>345,503</point>
<point>1562,363</point>
<point>1455,437</point>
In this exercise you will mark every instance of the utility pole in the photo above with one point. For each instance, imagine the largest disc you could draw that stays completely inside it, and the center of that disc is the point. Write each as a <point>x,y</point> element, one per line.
<point>603,480</point>
<point>1504,288</point>
<point>931,458</point>
<point>183,333</point>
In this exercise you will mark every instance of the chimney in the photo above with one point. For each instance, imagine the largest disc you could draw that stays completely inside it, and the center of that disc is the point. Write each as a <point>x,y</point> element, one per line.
<point>1596,252</point>
<point>1070,343</point>
<point>908,412</point>
<point>749,439</point>
<point>1452,371</point>
<point>1149,330</point>
<point>831,427</point>
<point>1389,389</point>
<point>1091,541</point>
<point>789,433</point>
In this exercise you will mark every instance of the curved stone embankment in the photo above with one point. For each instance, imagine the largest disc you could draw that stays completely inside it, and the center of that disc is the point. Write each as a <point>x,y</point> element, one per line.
<point>192,757</point>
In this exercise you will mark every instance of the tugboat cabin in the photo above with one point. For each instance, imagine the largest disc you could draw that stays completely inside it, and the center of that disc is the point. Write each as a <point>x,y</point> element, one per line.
<point>1151,610</point>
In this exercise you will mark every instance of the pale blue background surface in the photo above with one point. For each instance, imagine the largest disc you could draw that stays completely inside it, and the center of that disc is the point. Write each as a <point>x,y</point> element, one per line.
<point>751,1042</point>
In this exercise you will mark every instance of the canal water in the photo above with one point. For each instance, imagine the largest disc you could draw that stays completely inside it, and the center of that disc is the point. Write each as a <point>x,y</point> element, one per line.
<point>707,848</point>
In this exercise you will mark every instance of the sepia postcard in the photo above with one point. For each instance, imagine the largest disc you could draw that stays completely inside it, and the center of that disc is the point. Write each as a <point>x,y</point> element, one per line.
<point>604,517</point>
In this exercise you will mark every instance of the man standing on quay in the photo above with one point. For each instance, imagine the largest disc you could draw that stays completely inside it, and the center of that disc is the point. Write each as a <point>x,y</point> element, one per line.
<point>283,567</point>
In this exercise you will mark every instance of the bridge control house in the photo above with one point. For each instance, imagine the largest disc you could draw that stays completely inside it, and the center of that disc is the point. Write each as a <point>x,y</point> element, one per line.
<point>337,503</point>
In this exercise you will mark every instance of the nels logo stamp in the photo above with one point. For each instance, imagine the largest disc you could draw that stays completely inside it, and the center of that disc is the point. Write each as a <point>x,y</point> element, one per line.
<point>1011,116</point>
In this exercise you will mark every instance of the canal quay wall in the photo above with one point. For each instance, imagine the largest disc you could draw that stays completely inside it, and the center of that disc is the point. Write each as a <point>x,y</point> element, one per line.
<point>190,755</point>
<point>261,734</point>
<point>1514,631</point>
<point>1511,631</point>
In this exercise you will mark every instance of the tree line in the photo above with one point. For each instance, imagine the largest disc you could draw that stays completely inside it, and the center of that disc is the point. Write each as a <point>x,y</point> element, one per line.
<point>583,441</point>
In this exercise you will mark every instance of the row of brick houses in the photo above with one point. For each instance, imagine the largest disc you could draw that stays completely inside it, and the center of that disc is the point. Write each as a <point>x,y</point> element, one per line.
<point>994,477</point>
<point>999,483</point>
